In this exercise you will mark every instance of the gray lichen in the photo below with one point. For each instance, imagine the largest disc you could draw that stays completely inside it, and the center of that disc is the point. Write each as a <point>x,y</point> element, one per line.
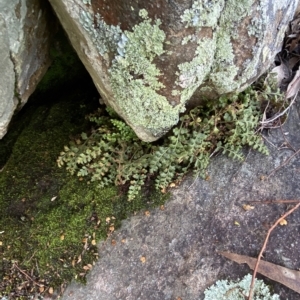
<point>230,290</point>
<point>86,2</point>
<point>105,37</point>
<point>130,55</point>
<point>203,13</point>
<point>193,73</point>
<point>221,71</point>
<point>134,77</point>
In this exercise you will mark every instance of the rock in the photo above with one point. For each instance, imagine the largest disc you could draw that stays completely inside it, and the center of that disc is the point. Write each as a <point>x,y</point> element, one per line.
<point>172,253</point>
<point>26,29</point>
<point>149,59</point>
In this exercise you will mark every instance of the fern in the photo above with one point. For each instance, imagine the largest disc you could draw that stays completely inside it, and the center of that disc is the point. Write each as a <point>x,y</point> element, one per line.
<point>112,153</point>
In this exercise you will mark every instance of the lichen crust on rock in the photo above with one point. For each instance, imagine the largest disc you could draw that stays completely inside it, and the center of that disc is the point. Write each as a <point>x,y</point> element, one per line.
<point>154,68</point>
<point>134,78</point>
<point>133,75</point>
<point>220,70</point>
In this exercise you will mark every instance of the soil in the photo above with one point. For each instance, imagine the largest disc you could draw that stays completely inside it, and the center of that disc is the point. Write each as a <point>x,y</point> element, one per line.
<point>172,252</point>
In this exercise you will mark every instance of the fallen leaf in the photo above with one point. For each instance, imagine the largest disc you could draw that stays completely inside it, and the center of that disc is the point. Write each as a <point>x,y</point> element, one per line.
<point>79,259</point>
<point>283,222</point>
<point>162,207</point>
<point>107,220</point>
<point>62,237</point>
<point>1,243</point>
<point>50,290</point>
<point>236,223</point>
<point>41,288</point>
<point>288,277</point>
<point>123,241</point>
<point>85,246</point>
<point>247,207</point>
<point>53,198</point>
<point>147,213</point>
<point>172,184</point>
<point>143,259</point>
<point>113,242</point>
<point>94,242</point>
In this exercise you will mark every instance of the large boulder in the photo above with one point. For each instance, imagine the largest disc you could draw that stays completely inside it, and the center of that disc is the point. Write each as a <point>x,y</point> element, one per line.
<point>149,59</point>
<point>26,28</point>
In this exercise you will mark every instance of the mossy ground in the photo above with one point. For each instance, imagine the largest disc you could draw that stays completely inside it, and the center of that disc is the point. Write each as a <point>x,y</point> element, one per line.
<point>50,221</point>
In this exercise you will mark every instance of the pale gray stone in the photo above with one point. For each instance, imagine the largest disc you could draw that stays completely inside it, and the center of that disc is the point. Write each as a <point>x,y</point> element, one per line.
<point>7,83</point>
<point>26,31</point>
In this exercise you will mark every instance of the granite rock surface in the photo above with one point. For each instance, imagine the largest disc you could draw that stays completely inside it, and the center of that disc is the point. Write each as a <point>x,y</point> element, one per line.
<point>151,59</point>
<point>172,253</point>
<point>26,31</point>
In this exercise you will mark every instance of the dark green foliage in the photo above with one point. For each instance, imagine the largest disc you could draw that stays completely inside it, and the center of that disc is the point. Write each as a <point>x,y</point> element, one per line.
<point>113,154</point>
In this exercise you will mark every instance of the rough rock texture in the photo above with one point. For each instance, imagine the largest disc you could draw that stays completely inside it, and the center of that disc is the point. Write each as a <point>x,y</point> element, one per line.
<point>179,243</point>
<point>149,59</point>
<point>26,30</point>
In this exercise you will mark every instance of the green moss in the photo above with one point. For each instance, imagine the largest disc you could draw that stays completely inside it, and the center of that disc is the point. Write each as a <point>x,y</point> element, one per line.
<point>48,219</point>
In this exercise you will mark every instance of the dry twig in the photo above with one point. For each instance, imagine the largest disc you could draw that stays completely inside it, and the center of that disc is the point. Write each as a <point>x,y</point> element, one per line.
<point>25,274</point>
<point>275,201</point>
<point>278,115</point>
<point>264,247</point>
